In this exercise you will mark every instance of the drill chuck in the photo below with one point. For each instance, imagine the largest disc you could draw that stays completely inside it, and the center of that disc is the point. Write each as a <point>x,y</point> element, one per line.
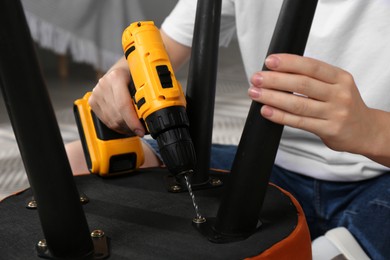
<point>169,126</point>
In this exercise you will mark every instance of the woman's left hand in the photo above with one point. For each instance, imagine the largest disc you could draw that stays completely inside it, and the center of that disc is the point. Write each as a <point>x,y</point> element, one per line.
<point>314,96</point>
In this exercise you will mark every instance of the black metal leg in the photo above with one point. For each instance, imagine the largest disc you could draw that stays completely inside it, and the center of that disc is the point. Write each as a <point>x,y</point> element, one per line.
<point>202,84</point>
<point>244,195</point>
<point>62,218</point>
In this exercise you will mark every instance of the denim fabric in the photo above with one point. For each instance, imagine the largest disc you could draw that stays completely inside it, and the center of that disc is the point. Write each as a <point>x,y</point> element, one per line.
<point>362,207</point>
<point>221,155</point>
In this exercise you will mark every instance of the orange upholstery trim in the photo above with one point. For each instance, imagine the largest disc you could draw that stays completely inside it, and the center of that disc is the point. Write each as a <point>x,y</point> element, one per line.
<point>297,245</point>
<point>14,194</point>
<point>219,170</point>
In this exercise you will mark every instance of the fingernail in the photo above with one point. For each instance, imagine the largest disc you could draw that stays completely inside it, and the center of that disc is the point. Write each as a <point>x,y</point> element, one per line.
<point>267,111</point>
<point>272,62</point>
<point>258,80</point>
<point>254,92</point>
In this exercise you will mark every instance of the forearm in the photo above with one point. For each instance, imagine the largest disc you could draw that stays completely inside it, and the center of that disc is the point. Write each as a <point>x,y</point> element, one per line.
<point>178,53</point>
<point>121,64</point>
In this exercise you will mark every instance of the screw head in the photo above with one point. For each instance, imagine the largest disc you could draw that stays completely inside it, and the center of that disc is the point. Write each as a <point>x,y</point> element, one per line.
<point>32,204</point>
<point>175,188</point>
<point>42,244</point>
<point>199,220</point>
<point>97,233</point>
<point>84,199</point>
<point>215,182</point>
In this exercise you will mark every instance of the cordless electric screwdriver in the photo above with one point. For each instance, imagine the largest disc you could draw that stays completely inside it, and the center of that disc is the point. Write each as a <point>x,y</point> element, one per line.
<point>157,96</point>
<point>160,105</point>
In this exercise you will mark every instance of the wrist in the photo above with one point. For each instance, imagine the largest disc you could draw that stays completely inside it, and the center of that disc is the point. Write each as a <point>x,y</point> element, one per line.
<point>376,143</point>
<point>121,64</point>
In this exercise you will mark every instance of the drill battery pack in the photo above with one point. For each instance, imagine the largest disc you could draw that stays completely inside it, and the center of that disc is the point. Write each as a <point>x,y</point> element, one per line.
<point>106,151</point>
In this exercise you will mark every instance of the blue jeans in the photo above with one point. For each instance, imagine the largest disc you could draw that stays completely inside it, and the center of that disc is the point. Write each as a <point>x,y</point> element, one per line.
<point>362,207</point>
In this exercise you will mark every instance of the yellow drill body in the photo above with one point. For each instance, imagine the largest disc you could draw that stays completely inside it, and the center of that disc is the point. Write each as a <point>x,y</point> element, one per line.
<point>149,66</point>
<point>157,95</point>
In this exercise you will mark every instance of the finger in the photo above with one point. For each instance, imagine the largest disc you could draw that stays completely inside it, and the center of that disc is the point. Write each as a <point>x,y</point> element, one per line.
<point>126,109</point>
<point>283,118</point>
<point>102,103</point>
<point>120,113</point>
<point>292,83</point>
<point>109,115</point>
<point>291,103</point>
<point>95,100</point>
<point>303,65</point>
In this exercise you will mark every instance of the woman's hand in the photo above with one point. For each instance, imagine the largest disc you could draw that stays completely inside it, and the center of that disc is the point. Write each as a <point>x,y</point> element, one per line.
<point>325,102</point>
<point>111,101</point>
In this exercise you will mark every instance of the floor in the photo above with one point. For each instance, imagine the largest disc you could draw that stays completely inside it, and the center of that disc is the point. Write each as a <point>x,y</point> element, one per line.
<point>231,108</point>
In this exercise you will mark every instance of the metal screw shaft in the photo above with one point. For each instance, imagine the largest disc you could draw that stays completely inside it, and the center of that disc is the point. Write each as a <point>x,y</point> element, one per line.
<point>198,216</point>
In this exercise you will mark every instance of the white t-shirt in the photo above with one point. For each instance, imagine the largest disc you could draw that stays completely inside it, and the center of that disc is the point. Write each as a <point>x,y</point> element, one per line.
<point>351,34</point>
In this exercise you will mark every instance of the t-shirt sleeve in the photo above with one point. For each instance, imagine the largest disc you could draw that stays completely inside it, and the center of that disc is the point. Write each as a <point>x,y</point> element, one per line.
<point>179,24</point>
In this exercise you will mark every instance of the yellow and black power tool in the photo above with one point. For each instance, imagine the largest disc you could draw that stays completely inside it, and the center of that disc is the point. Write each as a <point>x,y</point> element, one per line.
<point>159,102</point>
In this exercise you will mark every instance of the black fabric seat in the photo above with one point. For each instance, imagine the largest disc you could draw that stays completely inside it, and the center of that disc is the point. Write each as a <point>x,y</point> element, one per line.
<point>145,221</point>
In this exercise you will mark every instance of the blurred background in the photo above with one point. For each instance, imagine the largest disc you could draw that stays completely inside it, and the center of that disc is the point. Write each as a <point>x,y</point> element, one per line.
<point>77,41</point>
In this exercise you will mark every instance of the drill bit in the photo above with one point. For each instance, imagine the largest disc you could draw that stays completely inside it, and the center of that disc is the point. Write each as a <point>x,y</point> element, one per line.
<point>198,219</point>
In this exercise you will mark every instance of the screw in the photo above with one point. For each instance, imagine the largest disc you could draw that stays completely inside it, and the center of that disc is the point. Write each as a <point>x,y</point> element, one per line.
<point>42,244</point>
<point>199,220</point>
<point>32,204</point>
<point>97,233</point>
<point>215,182</point>
<point>175,188</point>
<point>84,199</point>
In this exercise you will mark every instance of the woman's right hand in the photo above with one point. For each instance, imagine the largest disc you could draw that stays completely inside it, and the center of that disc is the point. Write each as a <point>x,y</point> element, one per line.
<point>111,101</point>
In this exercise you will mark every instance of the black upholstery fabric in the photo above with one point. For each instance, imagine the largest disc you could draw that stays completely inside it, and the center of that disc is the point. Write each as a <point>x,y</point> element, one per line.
<point>144,221</point>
